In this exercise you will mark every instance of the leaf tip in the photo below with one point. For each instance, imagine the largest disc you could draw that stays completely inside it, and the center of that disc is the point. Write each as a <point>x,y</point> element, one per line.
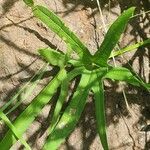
<point>40,51</point>
<point>131,10</point>
<point>29,3</point>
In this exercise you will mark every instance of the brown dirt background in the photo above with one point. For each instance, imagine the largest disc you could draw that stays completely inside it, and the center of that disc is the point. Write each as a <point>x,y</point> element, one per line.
<point>21,35</point>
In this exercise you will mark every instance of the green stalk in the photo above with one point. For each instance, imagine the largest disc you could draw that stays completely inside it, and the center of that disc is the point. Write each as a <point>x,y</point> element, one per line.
<point>129,48</point>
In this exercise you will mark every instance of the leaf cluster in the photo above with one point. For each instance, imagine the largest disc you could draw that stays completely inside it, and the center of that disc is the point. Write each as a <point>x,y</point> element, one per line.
<point>92,69</point>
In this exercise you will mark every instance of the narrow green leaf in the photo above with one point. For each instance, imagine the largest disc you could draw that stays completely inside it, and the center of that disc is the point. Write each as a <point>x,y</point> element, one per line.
<point>123,74</point>
<point>52,56</point>
<point>57,26</point>
<point>63,96</point>
<point>30,3</point>
<point>29,114</point>
<point>100,111</point>
<point>71,115</point>
<point>112,37</point>
<point>14,130</point>
<point>129,48</point>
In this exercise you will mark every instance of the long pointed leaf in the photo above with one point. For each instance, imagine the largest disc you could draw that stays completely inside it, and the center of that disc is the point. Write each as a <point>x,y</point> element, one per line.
<point>100,111</point>
<point>62,96</point>
<point>112,37</point>
<point>71,115</point>
<point>123,74</point>
<point>57,26</point>
<point>29,114</point>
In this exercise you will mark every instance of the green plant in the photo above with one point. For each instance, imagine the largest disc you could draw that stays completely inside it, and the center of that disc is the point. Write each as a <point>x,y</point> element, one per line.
<point>92,69</point>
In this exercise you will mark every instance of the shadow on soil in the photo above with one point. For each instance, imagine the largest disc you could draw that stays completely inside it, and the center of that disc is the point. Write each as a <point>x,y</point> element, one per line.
<point>72,5</point>
<point>114,101</point>
<point>7,5</point>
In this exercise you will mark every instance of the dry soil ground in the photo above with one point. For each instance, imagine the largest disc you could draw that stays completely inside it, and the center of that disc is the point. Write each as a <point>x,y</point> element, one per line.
<point>21,35</point>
